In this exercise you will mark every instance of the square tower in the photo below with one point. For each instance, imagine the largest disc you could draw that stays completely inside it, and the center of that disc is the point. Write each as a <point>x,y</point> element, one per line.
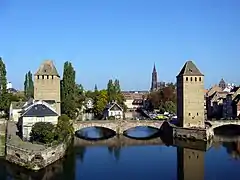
<point>190,96</point>
<point>47,85</point>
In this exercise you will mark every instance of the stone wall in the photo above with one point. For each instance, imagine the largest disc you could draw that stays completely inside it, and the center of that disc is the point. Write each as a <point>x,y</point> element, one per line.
<point>118,126</point>
<point>35,159</point>
<point>192,133</point>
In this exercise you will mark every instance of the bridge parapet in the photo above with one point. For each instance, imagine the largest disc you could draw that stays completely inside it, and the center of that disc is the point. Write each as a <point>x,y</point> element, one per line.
<point>119,126</point>
<point>215,124</point>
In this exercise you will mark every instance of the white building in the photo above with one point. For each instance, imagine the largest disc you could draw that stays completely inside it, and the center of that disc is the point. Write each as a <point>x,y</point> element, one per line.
<point>39,111</point>
<point>113,110</point>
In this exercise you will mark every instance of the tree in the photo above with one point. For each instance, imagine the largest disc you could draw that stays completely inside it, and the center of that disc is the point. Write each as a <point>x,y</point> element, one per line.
<point>28,85</point>
<point>101,102</point>
<point>43,132</point>
<point>161,99</point>
<point>111,91</point>
<point>68,91</point>
<point>4,98</point>
<point>64,127</point>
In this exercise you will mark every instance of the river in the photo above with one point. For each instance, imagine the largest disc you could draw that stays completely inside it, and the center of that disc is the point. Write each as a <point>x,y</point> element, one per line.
<point>141,162</point>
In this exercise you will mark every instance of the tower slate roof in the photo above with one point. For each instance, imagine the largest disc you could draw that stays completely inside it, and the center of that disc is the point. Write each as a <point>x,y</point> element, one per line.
<point>190,69</point>
<point>47,68</point>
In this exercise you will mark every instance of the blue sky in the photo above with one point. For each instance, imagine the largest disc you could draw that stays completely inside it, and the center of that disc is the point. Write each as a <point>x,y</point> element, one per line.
<point>121,39</point>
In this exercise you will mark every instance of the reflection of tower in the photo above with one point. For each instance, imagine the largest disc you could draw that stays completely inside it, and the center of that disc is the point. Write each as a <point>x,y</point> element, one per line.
<point>154,79</point>
<point>190,164</point>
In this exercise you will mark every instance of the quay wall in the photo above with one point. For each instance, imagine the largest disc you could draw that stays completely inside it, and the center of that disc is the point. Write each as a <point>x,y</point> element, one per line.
<point>193,133</point>
<point>36,159</point>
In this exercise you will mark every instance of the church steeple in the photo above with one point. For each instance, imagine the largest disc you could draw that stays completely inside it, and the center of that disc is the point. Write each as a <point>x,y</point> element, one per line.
<point>154,79</point>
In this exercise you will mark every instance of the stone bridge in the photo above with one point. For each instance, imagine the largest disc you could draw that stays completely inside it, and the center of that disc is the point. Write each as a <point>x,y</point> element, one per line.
<point>215,124</point>
<point>117,141</point>
<point>118,126</point>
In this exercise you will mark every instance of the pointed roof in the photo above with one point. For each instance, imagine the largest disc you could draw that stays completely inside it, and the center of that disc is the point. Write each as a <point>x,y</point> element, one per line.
<point>190,69</point>
<point>154,68</point>
<point>47,68</point>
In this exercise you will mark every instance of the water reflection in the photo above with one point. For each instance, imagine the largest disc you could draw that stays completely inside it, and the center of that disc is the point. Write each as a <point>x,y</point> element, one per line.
<point>139,159</point>
<point>190,164</point>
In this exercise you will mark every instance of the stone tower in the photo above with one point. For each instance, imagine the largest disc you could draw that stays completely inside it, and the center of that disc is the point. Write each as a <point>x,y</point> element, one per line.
<point>47,85</point>
<point>154,85</point>
<point>190,164</point>
<point>190,96</point>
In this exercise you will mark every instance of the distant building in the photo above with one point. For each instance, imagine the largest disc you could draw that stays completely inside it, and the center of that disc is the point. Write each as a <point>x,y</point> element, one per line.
<point>87,109</point>
<point>132,99</point>
<point>222,84</point>
<point>39,111</point>
<point>47,85</point>
<point>113,110</point>
<point>155,84</point>
<point>190,96</point>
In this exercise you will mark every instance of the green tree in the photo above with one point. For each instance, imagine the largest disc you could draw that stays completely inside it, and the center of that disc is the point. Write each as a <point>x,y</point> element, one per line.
<point>4,98</point>
<point>43,132</point>
<point>68,91</point>
<point>64,127</point>
<point>28,85</point>
<point>111,91</point>
<point>101,102</point>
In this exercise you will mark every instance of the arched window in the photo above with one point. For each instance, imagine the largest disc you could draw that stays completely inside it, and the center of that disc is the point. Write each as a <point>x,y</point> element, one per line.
<point>200,79</point>
<point>42,76</point>
<point>186,78</point>
<point>195,78</point>
<point>191,78</point>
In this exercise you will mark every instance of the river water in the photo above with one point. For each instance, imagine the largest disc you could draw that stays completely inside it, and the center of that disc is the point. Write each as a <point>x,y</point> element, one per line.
<point>143,162</point>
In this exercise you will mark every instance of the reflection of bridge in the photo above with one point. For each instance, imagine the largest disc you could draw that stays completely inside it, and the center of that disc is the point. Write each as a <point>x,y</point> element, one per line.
<point>117,141</point>
<point>123,141</point>
<point>119,126</point>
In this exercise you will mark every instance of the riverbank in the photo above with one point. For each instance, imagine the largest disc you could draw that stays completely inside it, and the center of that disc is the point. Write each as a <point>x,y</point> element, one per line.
<point>29,155</point>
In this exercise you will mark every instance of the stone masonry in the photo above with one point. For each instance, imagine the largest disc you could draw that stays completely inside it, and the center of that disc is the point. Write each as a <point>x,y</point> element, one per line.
<point>47,85</point>
<point>190,96</point>
<point>118,126</point>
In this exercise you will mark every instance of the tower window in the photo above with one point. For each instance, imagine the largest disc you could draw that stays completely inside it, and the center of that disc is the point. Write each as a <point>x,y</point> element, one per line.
<point>186,78</point>
<point>42,76</point>
<point>191,78</point>
<point>195,78</point>
<point>37,76</point>
<point>47,76</point>
<point>189,114</point>
<point>197,114</point>
<point>200,79</point>
<point>52,77</point>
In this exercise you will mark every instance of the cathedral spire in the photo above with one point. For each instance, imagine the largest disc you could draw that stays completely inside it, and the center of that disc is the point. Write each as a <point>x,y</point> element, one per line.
<point>154,68</point>
<point>154,79</point>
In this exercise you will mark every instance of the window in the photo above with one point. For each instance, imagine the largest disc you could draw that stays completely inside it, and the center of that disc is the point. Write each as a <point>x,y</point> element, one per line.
<point>195,78</point>
<point>47,76</point>
<point>37,76</point>
<point>42,76</point>
<point>189,114</point>
<point>197,114</point>
<point>200,79</point>
<point>52,77</point>
<point>186,78</point>
<point>191,78</point>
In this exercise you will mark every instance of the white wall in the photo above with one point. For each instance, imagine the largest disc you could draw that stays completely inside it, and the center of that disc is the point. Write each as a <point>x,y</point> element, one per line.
<point>28,122</point>
<point>117,114</point>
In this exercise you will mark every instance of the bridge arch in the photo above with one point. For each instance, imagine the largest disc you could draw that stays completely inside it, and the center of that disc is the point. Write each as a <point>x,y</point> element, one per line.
<point>129,125</point>
<point>101,124</point>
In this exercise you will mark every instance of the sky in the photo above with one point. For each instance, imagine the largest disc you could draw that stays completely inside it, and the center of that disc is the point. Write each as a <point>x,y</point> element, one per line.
<point>108,39</point>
